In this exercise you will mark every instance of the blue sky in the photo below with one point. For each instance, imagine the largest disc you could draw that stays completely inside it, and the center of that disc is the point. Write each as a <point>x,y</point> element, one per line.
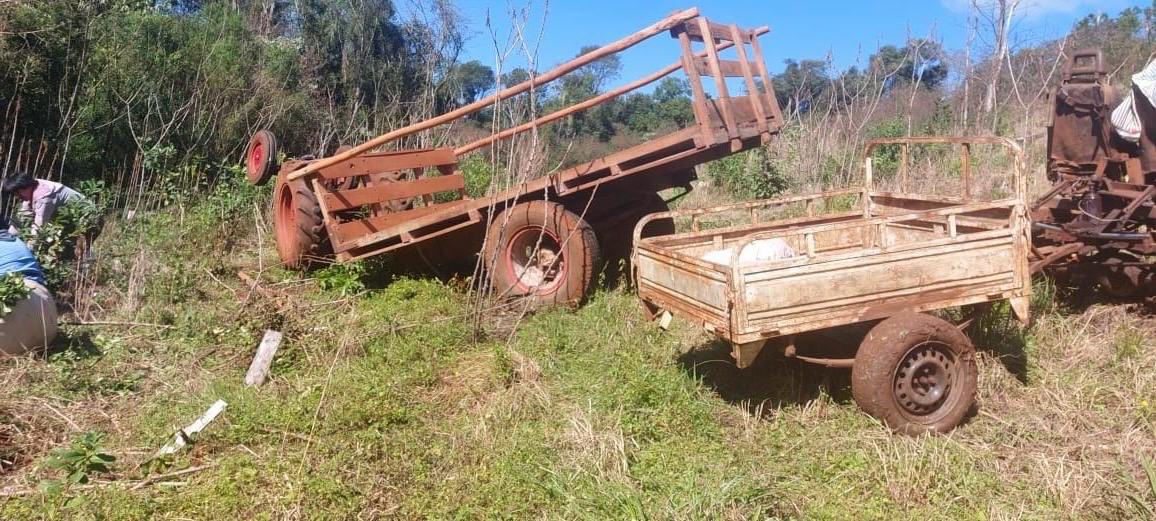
<point>846,30</point>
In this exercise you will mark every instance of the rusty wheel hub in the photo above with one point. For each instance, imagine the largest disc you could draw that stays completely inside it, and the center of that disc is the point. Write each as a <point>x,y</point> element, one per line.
<point>535,260</point>
<point>923,379</point>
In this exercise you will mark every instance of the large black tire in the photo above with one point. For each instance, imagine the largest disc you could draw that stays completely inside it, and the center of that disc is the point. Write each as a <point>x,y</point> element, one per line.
<point>543,252</point>
<point>916,373</point>
<point>261,157</point>
<point>302,241</point>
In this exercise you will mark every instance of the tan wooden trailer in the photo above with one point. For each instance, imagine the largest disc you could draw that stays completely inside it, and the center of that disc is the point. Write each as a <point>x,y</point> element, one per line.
<point>893,257</point>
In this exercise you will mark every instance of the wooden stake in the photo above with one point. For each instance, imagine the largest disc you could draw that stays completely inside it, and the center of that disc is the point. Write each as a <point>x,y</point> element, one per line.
<point>259,369</point>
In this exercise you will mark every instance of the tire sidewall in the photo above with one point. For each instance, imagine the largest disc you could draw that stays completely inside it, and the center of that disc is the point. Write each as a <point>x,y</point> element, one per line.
<point>578,245</point>
<point>878,359</point>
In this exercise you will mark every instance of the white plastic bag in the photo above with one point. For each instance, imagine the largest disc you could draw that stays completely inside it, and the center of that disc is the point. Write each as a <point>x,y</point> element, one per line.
<point>758,250</point>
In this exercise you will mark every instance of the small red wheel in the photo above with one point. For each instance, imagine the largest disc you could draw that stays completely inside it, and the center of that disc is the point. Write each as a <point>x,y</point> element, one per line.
<point>261,157</point>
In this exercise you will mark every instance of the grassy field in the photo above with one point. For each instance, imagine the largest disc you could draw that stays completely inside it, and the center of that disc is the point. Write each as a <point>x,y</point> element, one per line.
<point>393,400</point>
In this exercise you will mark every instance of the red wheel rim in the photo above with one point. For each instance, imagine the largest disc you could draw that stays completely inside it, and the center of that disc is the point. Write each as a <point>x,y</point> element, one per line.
<point>256,157</point>
<point>534,260</point>
<point>284,217</point>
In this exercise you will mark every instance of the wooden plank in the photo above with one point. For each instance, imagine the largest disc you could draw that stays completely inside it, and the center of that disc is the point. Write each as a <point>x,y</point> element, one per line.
<point>698,100</point>
<point>718,32</point>
<point>344,234</point>
<point>391,162</point>
<point>724,97</point>
<point>729,68</point>
<point>382,192</point>
<point>749,77</point>
<point>259,368</point>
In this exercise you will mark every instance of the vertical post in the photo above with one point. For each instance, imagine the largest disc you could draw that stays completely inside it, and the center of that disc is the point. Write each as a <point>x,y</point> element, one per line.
<point>748,75</point>
<point>810,240</point>
<point>951,229</point>
<point>903,168</point>
<point>768,86</point>
<point>867,186</point>
<point>720,83</point>
<point>695,79</point>
<point>965,170</point>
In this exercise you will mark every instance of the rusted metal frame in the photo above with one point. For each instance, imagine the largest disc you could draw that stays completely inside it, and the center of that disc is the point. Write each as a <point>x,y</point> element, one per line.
<point>995,284</point>
<point>1060,252</point>
<point>665,299</point>
<point>966,141</point>
<point>768,85</point>
<point>872,221</point>
<point>919,303</point>
<point>748,76</point>
<point>570,66</point>
<point>672,301</point>
<point>724,97</point>
<point>903,167</point>
<point>871,144</point>
<point>696,212</point>
<point>1127,211</point>
<point>845,363</point>
<point>965,170</point>
<point>720,237</point>
<point>764,271</point>
<point>1054,191</point>
<point>597,100</point>
<point>698,103</point>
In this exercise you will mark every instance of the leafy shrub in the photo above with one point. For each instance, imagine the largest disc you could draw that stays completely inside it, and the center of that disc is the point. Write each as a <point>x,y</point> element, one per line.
<point>885,160</point>
<point>749,175</point>
<point>342,278</point>
<point>84,456</point>
<point>12,292</point>
<point>479,173</point>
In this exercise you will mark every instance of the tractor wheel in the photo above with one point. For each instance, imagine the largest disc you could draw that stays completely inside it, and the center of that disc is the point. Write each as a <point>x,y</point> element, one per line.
<point>915,372</point>
<point>302,240</point>
<point>396,205</point>
<point>261,157</point>
<point>542,251</point>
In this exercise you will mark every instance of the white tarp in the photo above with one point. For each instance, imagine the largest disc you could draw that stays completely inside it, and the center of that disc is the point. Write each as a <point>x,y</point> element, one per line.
<point>31,325</point>
<point>1125,120</point>
<point>757,250</point>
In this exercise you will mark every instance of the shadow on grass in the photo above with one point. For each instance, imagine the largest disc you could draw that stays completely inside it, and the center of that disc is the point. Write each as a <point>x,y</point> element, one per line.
<point>74,345</point>
<point>997,331</point>
<point>773,381</point>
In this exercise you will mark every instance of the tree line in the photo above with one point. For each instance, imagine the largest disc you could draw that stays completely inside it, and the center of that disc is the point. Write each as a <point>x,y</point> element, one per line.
<point>148,93</point>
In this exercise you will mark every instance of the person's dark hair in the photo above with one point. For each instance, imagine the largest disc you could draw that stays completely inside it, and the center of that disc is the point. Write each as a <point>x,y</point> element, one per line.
<point>17,180</point>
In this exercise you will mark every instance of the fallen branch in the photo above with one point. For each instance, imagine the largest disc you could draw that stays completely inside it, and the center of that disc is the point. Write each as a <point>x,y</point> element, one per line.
<point>149,481</point>
<point>115,323</point>
<point>129,485</point>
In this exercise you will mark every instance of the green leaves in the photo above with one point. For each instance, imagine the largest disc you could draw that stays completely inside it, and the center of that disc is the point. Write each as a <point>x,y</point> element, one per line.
<point>84,457</point>
<point>12,291</point>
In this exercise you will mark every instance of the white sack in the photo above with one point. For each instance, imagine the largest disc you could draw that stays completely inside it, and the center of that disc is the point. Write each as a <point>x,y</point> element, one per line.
<point>758,250</point>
